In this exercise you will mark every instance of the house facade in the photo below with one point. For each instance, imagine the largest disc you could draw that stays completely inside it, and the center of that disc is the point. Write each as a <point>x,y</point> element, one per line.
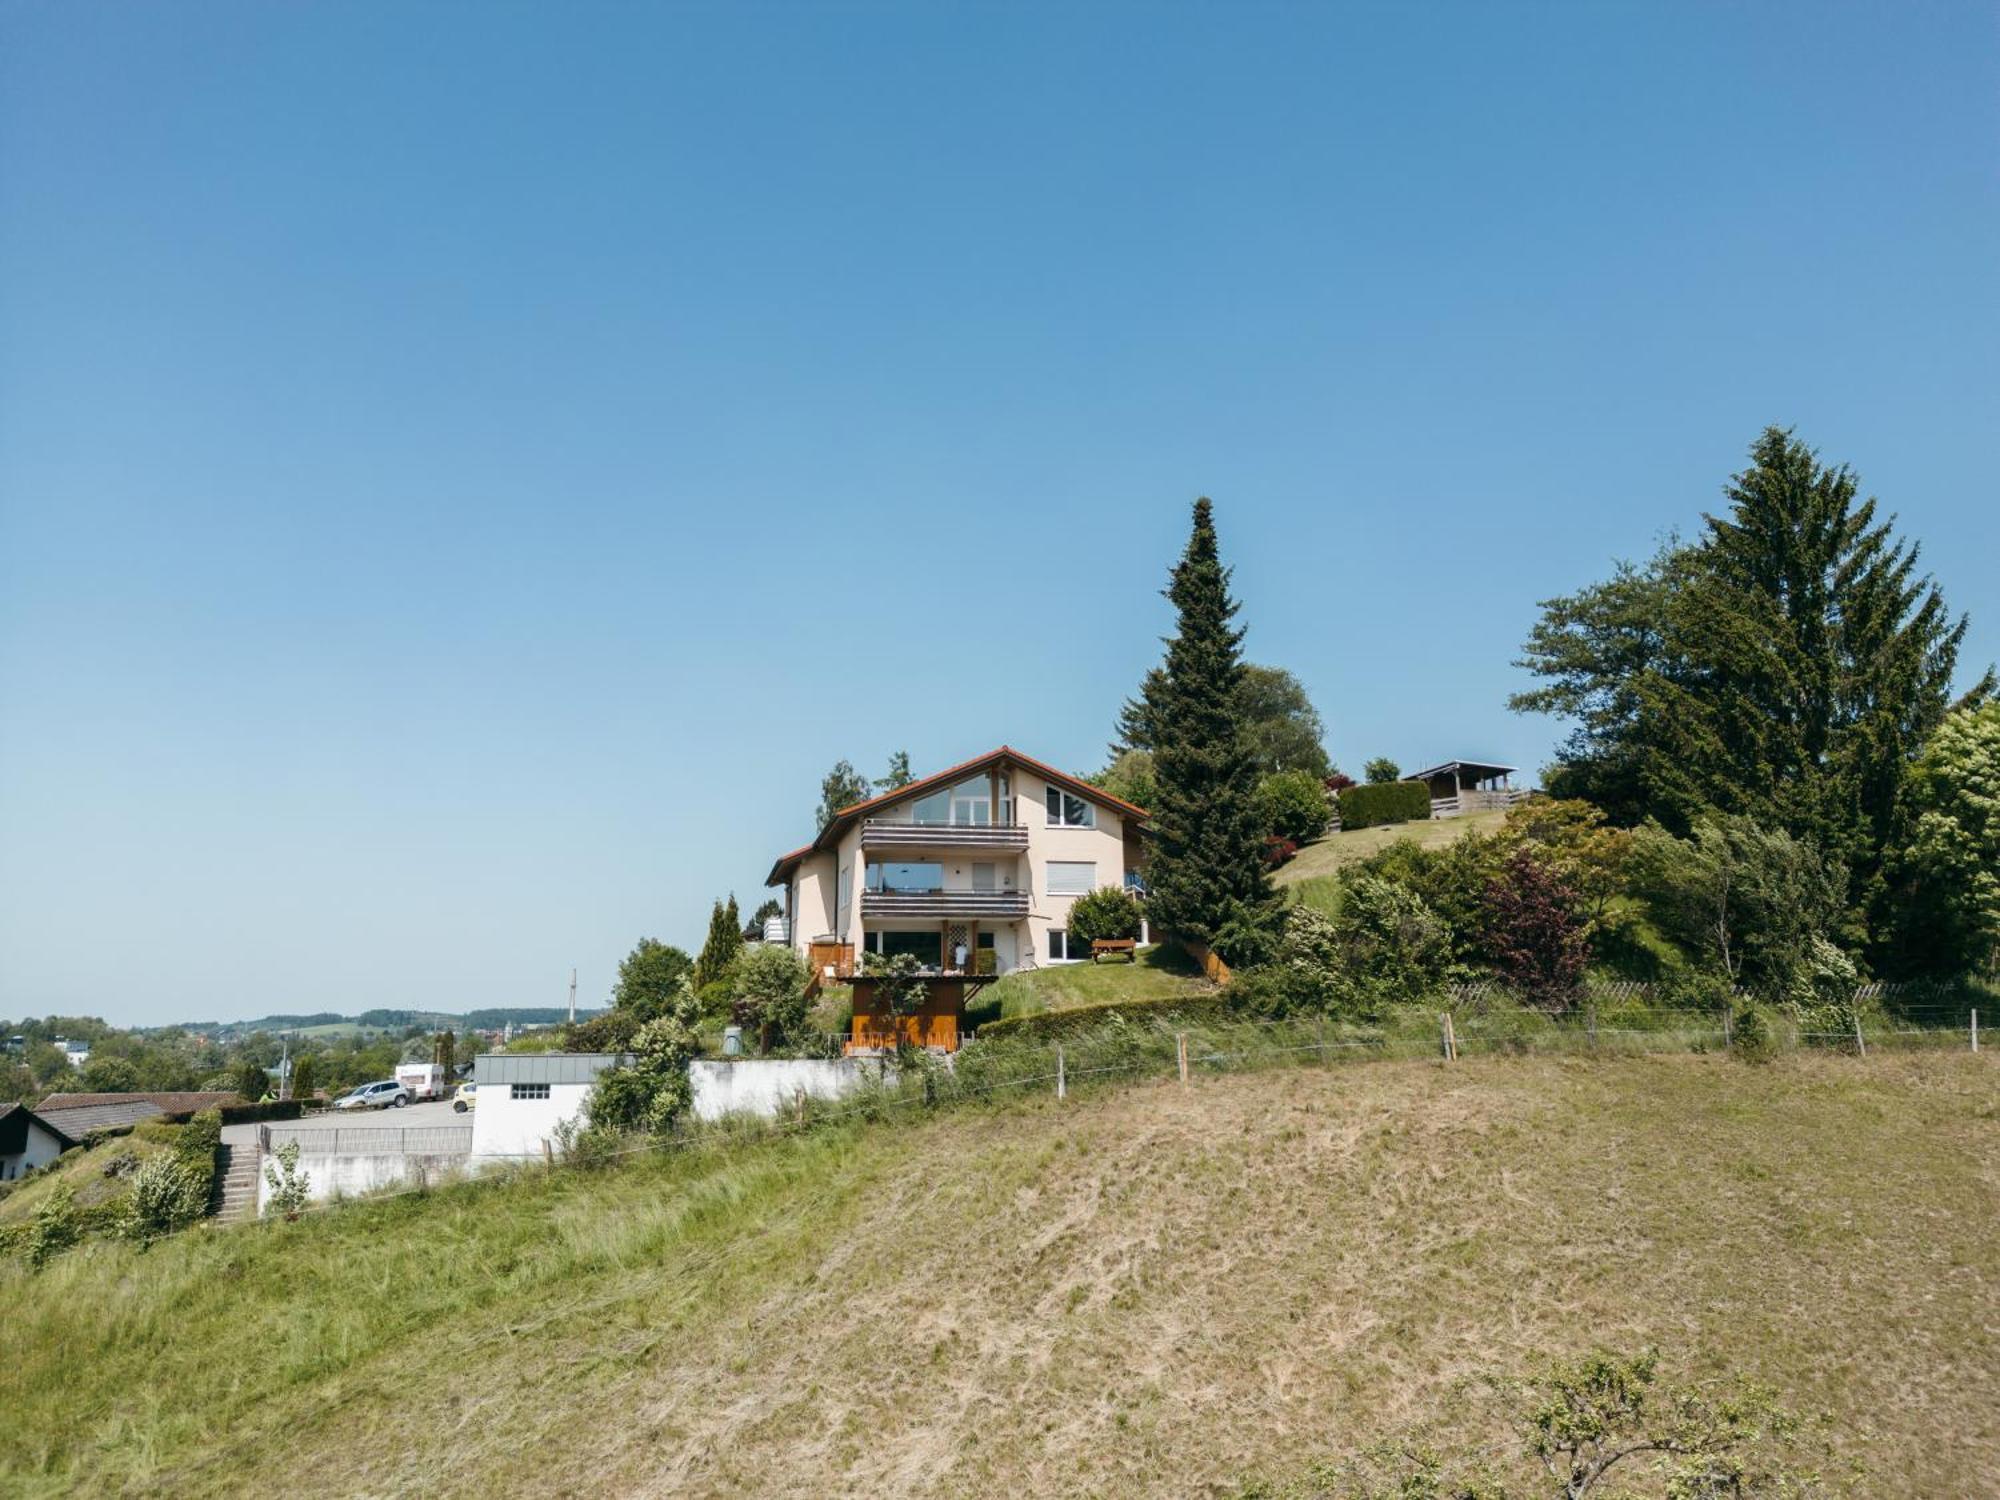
<point>972,870</point>
<point>27,1141</point>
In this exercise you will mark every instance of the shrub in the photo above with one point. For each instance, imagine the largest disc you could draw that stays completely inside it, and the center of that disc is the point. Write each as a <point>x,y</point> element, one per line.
<point>1381,770</point>
<point>1293,805</point>
<point>1393,948</point>
<point>1106,913</point>
<point>1752,1036</point>
<point>1534,934</point>
<point>56,1226</point>
<point>1279,851</point>
<point>1303,974</point>
<point>168,1194</point>
<point>1384,802</point>
<point>122,1163</point>
<point>653,1091</point>
<point>289,1186</point>
<point>768,993</point>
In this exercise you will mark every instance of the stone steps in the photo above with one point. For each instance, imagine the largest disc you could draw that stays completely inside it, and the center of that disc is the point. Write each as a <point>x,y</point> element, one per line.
<point>236,1182</point>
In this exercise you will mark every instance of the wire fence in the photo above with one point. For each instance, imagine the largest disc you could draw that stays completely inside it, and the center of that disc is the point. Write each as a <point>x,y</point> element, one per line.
<point>1186,1049</point>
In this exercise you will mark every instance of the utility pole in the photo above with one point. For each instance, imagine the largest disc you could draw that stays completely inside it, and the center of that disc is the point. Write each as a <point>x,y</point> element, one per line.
<point>572,997</point>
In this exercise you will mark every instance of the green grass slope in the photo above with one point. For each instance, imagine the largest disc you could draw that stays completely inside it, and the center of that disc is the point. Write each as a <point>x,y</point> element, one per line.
<point>1147,1290</point>
<point>1161,972</point>
<point>1309,876</point>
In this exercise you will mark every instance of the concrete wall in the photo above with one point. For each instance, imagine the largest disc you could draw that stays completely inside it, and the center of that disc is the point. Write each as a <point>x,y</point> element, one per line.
<point>767,1086</point>
<point>347,1176</point>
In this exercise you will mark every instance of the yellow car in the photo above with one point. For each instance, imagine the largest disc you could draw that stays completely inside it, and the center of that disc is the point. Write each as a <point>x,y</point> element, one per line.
<point>464,1099</point>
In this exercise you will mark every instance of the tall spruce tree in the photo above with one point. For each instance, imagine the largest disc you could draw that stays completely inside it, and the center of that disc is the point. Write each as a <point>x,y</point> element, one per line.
<point>1206,872</point>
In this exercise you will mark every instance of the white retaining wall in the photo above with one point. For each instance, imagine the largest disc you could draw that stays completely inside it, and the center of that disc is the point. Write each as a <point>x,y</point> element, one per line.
<point>768,1085</point>
<point>348,1175</point>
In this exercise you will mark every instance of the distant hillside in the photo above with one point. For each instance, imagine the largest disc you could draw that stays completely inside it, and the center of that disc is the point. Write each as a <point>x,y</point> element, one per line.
<point>1147,1290</point>
<point>332,1022</point>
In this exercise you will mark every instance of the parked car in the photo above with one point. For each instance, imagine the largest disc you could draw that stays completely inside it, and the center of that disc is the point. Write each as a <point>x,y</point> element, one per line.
<point>387,1094</point>
<point>464,1099</point>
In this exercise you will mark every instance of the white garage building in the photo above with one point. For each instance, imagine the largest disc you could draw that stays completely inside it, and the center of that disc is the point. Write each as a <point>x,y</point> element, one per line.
<point>524,1096</point>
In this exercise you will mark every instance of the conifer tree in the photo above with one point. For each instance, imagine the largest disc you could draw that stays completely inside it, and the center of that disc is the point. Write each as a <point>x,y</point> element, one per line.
<point>1206,873</point>
<point>725,941</point>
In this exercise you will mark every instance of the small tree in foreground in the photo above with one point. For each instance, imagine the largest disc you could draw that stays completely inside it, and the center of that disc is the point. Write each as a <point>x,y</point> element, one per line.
<point>1381,770</point>
<point>652,1091</point>
<point>1602,1427</point>
<point>289,1186</point>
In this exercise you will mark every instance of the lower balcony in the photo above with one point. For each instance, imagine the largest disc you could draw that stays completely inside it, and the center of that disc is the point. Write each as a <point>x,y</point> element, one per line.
<point>1004,906</point>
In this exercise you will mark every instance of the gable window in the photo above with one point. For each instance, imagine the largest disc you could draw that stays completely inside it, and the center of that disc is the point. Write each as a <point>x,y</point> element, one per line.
<point>1072,877</point>
<point>1067,810</point>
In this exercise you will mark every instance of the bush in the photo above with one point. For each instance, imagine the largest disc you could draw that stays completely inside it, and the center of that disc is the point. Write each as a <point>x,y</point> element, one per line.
<point>768,993</point>
<point>1534,934</point>
<point>1279,851</point>
<point>168,1194</point>
<point>1752,1037</point>
<point>1384,802</point>
<point>56,1226</point>
<point>1106,914</point>
<point>1381,771</point>
<point>254,1114</point>
<point>1293,805</point>
<point>289,1186</point>
<point>1393,948</point>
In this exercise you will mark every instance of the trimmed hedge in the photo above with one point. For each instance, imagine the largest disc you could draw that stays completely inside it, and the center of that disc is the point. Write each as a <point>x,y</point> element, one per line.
<point>1060,1023</point>
<point>1384,802</point>
<point>257,1114</point>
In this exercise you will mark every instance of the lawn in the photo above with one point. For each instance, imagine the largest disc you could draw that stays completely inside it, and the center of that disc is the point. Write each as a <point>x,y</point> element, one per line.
<point>1310,876</point>
<point>1145,1290</point>
<point>1160,972</point>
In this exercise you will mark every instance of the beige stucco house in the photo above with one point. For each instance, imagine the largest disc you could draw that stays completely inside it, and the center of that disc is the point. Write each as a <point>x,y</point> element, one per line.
<point>983,858</point>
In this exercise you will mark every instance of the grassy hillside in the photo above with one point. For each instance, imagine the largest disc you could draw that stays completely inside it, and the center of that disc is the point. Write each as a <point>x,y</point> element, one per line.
<point>84,1171</point>
<point>1147,1290</point>
<point>1158,973</point>
<point>1309,876</point>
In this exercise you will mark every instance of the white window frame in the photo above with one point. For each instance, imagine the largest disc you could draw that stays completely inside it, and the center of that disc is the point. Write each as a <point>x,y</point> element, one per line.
<point>1070,955</point>
<point>1061,799</point>
<point>1049,886</point>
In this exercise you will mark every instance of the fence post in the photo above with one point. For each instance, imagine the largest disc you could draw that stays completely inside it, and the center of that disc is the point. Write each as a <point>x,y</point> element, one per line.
<point>1444,1035</point>
<point>1975,1031</point>
<point>1062,1090</point>
<point>799,1107</point>
<point>1451,1035</point>
<point>1320,1028</point>
<point>1860,1047</point>
<point>1728,1011</point>
<point>548,1154</point>
<point>1180,1052</point>
<point>1590,1019</point>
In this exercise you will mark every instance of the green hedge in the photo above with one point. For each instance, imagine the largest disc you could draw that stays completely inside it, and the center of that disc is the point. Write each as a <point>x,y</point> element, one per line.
<point>1384,802</point>
<point>1060,1023</point>
<point>256,1114</point>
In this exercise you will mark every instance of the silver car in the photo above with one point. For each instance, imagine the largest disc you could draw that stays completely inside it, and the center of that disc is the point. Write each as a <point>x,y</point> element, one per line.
<point>384,1095</point>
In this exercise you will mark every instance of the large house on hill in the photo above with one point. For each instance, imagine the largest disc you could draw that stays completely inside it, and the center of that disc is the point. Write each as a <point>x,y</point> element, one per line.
<point>971,870</point>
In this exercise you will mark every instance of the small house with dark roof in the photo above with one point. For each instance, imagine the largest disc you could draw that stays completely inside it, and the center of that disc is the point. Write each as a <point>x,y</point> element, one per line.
<point>1465,786</point>
<point>27,1141</point>
<point>79,1113</point>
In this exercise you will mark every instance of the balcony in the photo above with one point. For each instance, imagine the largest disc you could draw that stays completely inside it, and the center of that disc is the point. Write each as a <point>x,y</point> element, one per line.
<point>880,833</point>
<point>1003,906</point>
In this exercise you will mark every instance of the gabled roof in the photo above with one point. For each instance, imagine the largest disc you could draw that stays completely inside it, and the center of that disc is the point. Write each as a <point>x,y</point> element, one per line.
<point>923,785</point>
<point>167,1103</point>
<point>1454,765</point>
<point>14,1122</point>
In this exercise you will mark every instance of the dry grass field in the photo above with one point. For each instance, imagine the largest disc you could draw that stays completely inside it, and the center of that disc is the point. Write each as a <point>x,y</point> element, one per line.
<point>1148,1290</point>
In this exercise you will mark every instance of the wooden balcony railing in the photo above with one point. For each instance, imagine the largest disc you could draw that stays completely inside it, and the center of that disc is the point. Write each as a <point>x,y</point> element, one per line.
<point>880,833</point>
<point>1005,905</point>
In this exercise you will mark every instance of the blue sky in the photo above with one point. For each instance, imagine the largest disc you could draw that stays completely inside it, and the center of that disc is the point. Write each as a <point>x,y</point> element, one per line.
<point>466,470</point>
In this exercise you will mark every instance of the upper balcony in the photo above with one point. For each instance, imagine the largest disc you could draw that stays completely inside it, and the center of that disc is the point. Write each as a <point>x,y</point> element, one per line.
<point>884,833</point>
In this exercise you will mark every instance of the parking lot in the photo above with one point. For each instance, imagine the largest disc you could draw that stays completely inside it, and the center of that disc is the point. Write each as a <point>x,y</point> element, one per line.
<point>409,1117</point>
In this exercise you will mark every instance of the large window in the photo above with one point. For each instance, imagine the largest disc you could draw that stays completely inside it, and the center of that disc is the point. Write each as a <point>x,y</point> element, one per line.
<point>1072,877</point>
<point>896,875</point>
<point>967,805</point>
<point>1069,811</point>
<point>1062,950</point>
<point>528,1091</point>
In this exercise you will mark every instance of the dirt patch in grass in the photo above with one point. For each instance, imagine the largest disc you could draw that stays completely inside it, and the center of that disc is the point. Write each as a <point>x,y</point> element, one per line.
<point>1148,1290</point>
